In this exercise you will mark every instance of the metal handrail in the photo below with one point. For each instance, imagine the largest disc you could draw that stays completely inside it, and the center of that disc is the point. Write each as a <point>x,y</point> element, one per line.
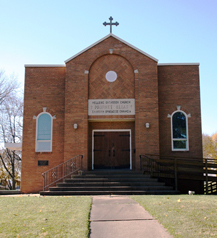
<point>61,171</point>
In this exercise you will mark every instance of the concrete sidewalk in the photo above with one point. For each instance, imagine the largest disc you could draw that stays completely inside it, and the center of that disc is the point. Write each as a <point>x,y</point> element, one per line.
<point>120,216</point>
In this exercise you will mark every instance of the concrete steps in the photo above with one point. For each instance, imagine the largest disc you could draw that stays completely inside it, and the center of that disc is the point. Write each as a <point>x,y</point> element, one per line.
<point>110,182</point>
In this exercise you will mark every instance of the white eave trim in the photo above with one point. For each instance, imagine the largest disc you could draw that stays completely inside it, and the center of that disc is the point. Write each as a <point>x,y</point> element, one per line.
<point>13,146</point>
<point>168,64</point>
<point>44,65</point>
<point>66,61</point>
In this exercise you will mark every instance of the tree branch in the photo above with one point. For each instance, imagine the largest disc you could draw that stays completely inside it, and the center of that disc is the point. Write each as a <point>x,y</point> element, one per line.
<point>5,166</point>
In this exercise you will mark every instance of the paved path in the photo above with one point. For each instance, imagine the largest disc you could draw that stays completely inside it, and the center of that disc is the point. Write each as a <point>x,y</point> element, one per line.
<point>120,216</point>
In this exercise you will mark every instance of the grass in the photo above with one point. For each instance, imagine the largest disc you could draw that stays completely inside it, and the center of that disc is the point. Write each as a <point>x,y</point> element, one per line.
<point>23,216</point>
<point>183,215</point>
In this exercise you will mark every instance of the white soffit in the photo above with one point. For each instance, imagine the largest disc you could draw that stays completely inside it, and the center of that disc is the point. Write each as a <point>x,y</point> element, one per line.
<point>13,146</point>
<point>44,65</point>
<point>168,64</point>
<point>66,61</point>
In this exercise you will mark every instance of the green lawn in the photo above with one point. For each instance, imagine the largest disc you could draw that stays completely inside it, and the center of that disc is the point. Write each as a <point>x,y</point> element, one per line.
<point>183,215</point>
<point>23,216</point>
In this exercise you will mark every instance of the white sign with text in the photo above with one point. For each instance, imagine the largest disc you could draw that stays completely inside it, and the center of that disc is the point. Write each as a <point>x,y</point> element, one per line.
<point>104,107</point>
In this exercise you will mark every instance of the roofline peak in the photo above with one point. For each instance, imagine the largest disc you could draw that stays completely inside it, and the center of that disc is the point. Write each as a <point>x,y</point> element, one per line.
<point>104,38</point>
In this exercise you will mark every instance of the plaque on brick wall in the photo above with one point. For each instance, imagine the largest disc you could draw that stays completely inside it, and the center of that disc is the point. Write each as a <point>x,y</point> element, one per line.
<point>43,163</point>
<point>106,107</point>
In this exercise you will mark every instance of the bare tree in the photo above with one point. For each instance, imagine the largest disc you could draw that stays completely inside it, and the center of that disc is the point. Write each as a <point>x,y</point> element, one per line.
<point>11,119</point>
<point>7,86</point>
<point>10,168</point>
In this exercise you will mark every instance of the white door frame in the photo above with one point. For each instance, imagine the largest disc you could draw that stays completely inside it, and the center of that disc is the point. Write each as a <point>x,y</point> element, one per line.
<point>111,130</point>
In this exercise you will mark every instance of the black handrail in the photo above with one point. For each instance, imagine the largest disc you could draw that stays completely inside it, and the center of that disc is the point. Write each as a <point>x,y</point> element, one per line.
<point>61,171</point>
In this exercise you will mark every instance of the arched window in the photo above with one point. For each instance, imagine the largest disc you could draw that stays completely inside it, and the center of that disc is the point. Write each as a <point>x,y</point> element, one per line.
<point>44,124</point>
<point>179,123</point>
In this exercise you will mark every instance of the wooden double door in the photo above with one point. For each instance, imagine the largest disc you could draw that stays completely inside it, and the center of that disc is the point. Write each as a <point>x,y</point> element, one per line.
<point>111,150</point>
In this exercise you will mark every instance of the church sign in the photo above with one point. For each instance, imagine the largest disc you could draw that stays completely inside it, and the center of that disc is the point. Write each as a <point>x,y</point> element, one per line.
<point>106,107</point>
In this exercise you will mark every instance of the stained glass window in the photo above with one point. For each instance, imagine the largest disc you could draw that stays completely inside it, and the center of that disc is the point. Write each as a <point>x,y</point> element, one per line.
<point>179,131</point>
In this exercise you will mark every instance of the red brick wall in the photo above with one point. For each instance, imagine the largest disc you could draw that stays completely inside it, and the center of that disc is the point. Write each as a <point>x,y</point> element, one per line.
<point>65,92</point>
<point>79,87</point>
<point>122,87</point>
<point>179,85</point>
<point>44,87</point>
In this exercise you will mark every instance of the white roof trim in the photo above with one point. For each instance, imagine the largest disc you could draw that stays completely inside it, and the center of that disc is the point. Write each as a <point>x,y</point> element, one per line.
<point>13,146</point>
<point>66,61</point>
<point>167,64</point>
<point>44,65</point>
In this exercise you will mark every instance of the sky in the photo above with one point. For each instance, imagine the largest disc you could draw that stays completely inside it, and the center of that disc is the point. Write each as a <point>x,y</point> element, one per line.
<point>173,31</point>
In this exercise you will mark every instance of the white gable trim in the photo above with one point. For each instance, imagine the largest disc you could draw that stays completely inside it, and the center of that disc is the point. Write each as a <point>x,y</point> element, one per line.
<point>66,61</point>
<point>168,64</point>
<point>44,65</point>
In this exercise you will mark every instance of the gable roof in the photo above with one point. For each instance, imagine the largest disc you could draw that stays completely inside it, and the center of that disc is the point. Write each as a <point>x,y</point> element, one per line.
<point>104,38</point>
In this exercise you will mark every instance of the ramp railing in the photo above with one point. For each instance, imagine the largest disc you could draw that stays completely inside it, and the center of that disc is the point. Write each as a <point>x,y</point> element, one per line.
<point>155,167</point>
<point>175,168</point>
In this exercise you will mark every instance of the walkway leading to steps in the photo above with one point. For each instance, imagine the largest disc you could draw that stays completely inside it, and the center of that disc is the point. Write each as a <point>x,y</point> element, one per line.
<point>120,216</point>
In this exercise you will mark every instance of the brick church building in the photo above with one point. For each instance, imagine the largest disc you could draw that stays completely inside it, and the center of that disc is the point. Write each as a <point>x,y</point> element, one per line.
<point>111,103</point>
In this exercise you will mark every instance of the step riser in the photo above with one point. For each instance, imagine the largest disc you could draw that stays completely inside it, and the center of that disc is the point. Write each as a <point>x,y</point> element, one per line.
<point>110,182</point>
<point>110,175</point>
<point>110,172</point>
<point>76,193</point>
<point>109,188</point>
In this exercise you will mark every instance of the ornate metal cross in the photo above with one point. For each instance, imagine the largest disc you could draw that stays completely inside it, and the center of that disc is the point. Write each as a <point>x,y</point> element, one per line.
<point>110,23</point>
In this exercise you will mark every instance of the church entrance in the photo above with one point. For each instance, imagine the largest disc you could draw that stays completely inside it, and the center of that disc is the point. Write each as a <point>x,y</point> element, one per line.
<point>111,149</point>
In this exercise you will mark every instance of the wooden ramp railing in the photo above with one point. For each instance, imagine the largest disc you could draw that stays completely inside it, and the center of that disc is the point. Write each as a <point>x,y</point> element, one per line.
<point>175,168</point>
<point>210,187</point>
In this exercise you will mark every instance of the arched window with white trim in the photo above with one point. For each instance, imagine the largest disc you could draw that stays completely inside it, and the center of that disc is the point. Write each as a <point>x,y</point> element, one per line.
<point>44,126</point>
<point>179,131</point>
